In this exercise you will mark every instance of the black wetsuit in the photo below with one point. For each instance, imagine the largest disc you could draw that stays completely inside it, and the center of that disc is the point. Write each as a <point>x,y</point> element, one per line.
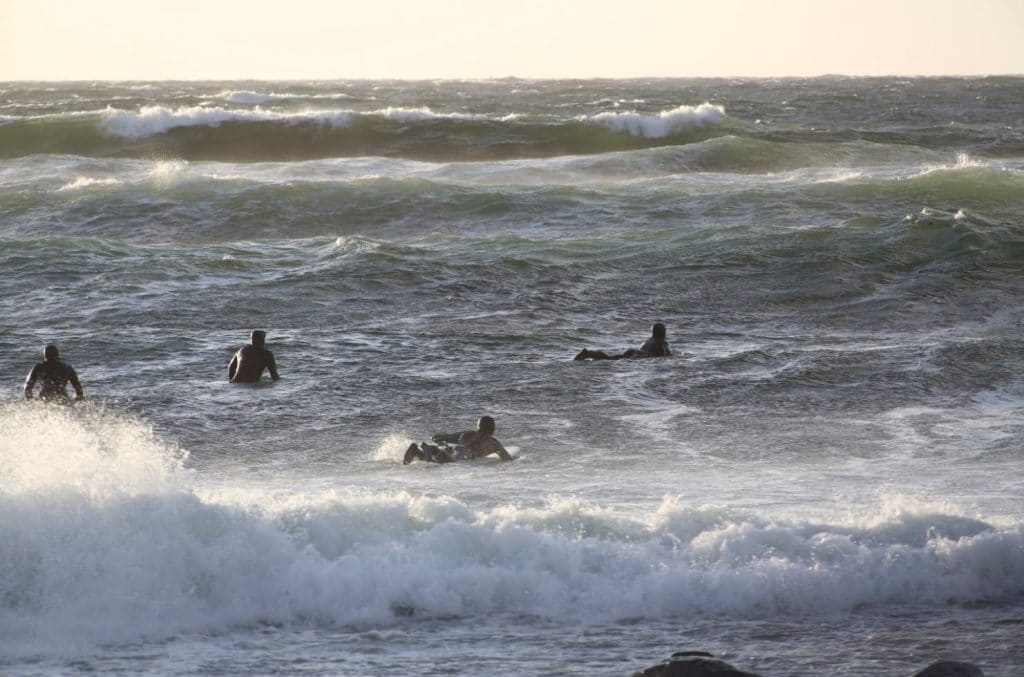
<point>54,376</point>
<point>248,364</point>
<point>469,444</point>
<point>652,347</point>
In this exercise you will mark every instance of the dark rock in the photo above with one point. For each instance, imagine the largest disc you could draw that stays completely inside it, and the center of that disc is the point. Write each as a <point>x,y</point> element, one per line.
<point>693,664</point>
<point>950,669</point>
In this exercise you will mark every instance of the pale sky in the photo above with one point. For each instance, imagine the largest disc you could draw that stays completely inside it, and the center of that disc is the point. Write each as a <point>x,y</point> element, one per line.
<point>320,39</point>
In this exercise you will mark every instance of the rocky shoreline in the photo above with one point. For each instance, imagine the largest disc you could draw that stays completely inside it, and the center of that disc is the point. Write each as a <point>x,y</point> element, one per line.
<point>703,664</point>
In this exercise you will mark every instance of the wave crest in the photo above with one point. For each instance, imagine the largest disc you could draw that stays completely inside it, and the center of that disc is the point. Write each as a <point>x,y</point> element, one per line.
<point>155,564</point>
<point>234,133</point>
<point>665,123</point>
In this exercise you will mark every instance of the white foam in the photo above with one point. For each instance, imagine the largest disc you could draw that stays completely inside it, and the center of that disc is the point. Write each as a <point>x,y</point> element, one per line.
<point>664,123</point>
<point>245,97</point>
<point>106,537</point>
<point>85,566</point>
<point>151,120</point>
<point>423,114</point>
<point>83,182</point>
<point>168,173</point>
<point>45,448</point>
<point>391,448</point>
<point>250,97</point>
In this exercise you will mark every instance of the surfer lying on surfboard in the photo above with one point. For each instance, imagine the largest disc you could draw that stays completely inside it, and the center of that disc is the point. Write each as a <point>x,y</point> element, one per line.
<point>656,346</point>
<point>461,446</point>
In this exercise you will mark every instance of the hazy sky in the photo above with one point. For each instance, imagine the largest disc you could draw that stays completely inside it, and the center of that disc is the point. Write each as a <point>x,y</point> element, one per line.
<point>207,39</point>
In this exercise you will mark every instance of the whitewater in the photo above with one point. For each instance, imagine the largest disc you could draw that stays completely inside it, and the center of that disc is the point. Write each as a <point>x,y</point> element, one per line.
<point>824,478</point>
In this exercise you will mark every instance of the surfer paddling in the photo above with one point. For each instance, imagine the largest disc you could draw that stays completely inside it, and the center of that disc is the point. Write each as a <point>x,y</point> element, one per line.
<point>249,362</point>
<point>461,446</point>
<point>54,376</point>
<point>656,346</point>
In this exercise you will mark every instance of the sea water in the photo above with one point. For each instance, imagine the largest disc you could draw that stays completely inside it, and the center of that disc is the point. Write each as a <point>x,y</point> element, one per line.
<point>825,477</point>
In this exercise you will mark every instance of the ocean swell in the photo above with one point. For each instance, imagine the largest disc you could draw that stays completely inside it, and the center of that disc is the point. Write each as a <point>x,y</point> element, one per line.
<point>255,134</point>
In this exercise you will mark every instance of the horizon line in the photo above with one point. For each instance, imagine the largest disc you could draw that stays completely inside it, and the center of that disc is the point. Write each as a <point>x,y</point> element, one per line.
<point>819,76</point>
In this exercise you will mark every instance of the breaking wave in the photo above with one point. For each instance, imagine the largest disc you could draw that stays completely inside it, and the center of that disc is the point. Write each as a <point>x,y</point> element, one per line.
<point>121,544</point>
<point>218,133</point>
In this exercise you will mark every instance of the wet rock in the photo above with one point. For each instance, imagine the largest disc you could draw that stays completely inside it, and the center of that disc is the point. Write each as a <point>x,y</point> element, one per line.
<point>950,669</point>
<point>693,664</point>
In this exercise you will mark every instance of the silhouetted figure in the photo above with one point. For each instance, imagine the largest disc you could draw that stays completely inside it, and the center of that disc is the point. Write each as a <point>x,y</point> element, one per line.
<point>468,445</point>
<point>656,346</point>
<point>53,376</point>
<point>249,362</point>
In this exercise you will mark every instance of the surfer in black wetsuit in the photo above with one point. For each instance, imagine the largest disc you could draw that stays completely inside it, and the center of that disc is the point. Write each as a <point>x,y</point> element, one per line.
<point>656,346</point>
<point>54,376</point>
<point>468,445</point>
<point>249,362</point>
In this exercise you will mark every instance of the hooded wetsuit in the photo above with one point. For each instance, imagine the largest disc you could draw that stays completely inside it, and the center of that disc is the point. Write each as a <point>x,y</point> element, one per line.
<point>54,376</point>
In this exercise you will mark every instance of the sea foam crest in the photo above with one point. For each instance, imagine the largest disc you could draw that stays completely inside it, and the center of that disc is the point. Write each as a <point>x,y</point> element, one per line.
<point>151,120</point>
<point>84,182</point>
<point>255,98</point>
<point>115,566</point>
<point>664,123</point>
<point>423,114</point>
<point>246,97</point>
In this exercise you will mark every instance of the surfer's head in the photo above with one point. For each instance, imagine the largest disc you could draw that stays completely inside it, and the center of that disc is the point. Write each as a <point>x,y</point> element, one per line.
<point>258,337</point>
<point>658,330</point>
<point>485,425</point>
<point>50,352</point>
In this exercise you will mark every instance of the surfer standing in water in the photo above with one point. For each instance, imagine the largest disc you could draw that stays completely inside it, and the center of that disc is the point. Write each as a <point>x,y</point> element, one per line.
<point>468,445</point>
<point>656,346</point>
<point>249,362</point>
<point>54,376</point>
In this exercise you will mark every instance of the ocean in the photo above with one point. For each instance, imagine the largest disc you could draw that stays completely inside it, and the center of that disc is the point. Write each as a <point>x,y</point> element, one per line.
<point>826,478</point>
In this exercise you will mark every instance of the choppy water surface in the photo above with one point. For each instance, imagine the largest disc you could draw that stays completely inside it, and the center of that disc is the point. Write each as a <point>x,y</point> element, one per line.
<point>824,479</point>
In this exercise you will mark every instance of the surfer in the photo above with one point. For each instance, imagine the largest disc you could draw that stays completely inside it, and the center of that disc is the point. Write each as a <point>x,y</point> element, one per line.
<point>54,376</point>
<point>460,446</point>
<point>656,346</point>
<point>249,362</point>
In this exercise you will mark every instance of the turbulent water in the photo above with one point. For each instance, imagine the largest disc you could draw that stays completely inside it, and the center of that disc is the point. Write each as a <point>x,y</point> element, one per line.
<point>825,478</point>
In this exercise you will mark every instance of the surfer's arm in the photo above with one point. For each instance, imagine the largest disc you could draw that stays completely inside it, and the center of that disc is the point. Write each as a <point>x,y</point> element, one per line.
<point>30,382</point>
<point>500,451</point>
<point>75,383</point>
<point>233,367</point>
<point>449,438</point>
<point>272,366</point>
